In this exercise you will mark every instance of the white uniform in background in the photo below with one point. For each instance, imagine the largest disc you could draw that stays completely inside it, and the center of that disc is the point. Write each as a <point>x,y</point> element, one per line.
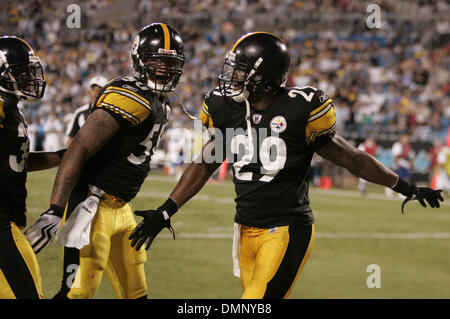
<point>179,144</point>
<point>179,147</point>
<point>32,131</point>
<point>53,135</point>
<point>443,174</point>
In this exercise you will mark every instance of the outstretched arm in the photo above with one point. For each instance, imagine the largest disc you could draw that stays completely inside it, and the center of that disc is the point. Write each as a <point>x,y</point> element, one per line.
<point>363,165</point>
<point>193,179</point>
<point>359,163</point>
<point>43,160</point>
<point>191,182</point>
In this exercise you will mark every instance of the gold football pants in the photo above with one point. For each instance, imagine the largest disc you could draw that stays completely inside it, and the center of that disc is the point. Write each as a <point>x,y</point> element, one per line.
<point>20,277</point>
<point>272,259</point>
<point>110,247</point>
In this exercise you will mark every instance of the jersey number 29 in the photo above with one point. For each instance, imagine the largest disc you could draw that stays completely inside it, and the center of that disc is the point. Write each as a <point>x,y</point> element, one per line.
<point>271,165</point>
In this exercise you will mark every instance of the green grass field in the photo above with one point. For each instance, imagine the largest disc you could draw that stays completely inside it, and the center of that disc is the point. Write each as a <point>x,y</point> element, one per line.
<point>352,232</point>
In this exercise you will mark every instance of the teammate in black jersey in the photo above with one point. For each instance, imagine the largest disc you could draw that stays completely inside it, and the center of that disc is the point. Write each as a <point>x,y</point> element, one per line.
<point>21,78</point>
<point>113,150</point>
<point>71,255</point>
<point>270,133</point>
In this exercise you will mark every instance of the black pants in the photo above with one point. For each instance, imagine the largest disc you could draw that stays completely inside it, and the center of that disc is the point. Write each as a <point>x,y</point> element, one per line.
<point>19,270</point>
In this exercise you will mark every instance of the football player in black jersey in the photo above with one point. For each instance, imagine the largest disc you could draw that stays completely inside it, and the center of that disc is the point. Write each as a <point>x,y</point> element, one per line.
<point>21,78</point>
<point>71,255</point>
<point>274,221</point>
<point>113,150</point>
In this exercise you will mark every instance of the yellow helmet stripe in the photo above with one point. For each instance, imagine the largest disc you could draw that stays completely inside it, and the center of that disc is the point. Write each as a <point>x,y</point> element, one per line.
<point>166,36</point>
<point>26,43</point>
<point>249,34</point>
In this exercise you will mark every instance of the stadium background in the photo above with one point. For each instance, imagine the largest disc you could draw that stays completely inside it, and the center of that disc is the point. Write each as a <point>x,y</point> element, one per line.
<point>384,81</point>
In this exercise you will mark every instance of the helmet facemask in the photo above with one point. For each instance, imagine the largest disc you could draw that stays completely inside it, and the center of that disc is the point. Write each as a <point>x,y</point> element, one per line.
<point>24,80</point>
<point>239,78</point>
<point>161,71</point>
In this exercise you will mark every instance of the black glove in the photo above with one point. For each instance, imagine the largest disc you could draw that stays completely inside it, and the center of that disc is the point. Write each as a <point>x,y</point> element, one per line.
<point>422,194</point>
<point>154,221</point>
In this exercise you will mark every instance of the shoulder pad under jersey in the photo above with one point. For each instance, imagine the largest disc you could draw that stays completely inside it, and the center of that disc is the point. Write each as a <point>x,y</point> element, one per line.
<point>126,97</point>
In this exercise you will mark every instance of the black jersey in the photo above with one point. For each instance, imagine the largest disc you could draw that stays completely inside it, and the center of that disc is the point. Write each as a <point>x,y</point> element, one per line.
<point>78,119</point>
<point>271,180</point>
<point>14,147</point>
<point>122,165</point>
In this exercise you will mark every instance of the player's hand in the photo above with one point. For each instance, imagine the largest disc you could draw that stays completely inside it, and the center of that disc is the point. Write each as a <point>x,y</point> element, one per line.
<point>154,221</point>
<point>44,230</point>
<point>423,194</point>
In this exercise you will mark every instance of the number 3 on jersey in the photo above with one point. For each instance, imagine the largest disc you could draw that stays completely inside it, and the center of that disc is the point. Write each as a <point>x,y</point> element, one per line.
<point>149,142</point>
<point>17,162</point>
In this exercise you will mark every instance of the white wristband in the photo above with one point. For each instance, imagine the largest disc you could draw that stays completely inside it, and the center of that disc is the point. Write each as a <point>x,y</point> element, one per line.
<point>166,215</point>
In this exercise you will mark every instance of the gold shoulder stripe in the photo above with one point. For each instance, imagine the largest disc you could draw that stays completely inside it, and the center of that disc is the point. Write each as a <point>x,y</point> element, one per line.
<point>320,107</point>
<point>126,103</point>
<point>314,135</point>
<point>205,117</point>
<point>205,108</point>
<point>321,123</point>
<point>129,93</point>
<point>321,113</point>
<point>121,112</point>
<point>166,36</point>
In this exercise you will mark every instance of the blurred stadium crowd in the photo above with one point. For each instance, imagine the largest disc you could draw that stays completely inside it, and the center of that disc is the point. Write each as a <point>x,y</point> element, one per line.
<point>385,81</point>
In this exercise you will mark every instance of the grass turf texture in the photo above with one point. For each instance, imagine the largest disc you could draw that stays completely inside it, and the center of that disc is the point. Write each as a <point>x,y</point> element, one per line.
<point>352,232</point>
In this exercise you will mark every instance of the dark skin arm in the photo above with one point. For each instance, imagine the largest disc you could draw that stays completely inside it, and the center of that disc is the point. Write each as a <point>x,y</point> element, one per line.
<point>193,179</point>
<point>359,163</point>
<point>98,129</point>
<point>42,160</point>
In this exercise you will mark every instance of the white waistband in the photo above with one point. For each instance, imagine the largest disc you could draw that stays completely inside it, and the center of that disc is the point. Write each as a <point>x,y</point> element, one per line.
<point>236,249</point>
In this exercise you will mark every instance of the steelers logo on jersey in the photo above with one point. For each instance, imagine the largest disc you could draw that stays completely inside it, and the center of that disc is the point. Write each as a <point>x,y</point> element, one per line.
<point>278,124</point>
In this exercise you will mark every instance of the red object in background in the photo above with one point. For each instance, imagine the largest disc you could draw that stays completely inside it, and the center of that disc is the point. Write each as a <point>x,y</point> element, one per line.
<point>434,181</point>
<point>447,88</point>
<point>326,182</point>
<point>371,149</point>
<point>370,146</point>
<point>412,122</point>
<point>223,170</point>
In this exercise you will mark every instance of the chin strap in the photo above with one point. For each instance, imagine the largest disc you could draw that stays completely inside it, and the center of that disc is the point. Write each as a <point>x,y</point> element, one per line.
<point>183,107</point>
<point>249,126</point>
<point>242,96</point>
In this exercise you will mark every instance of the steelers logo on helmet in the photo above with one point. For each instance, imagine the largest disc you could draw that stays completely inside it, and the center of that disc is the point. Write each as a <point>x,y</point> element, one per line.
<point>157,57</point>
<point>278,124</point>
<point>135,45</point>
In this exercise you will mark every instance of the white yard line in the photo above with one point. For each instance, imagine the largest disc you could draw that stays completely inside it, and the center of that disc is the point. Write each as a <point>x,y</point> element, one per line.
<point>327,235</point>
<point>230,200</point>
<point>313,190</point>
